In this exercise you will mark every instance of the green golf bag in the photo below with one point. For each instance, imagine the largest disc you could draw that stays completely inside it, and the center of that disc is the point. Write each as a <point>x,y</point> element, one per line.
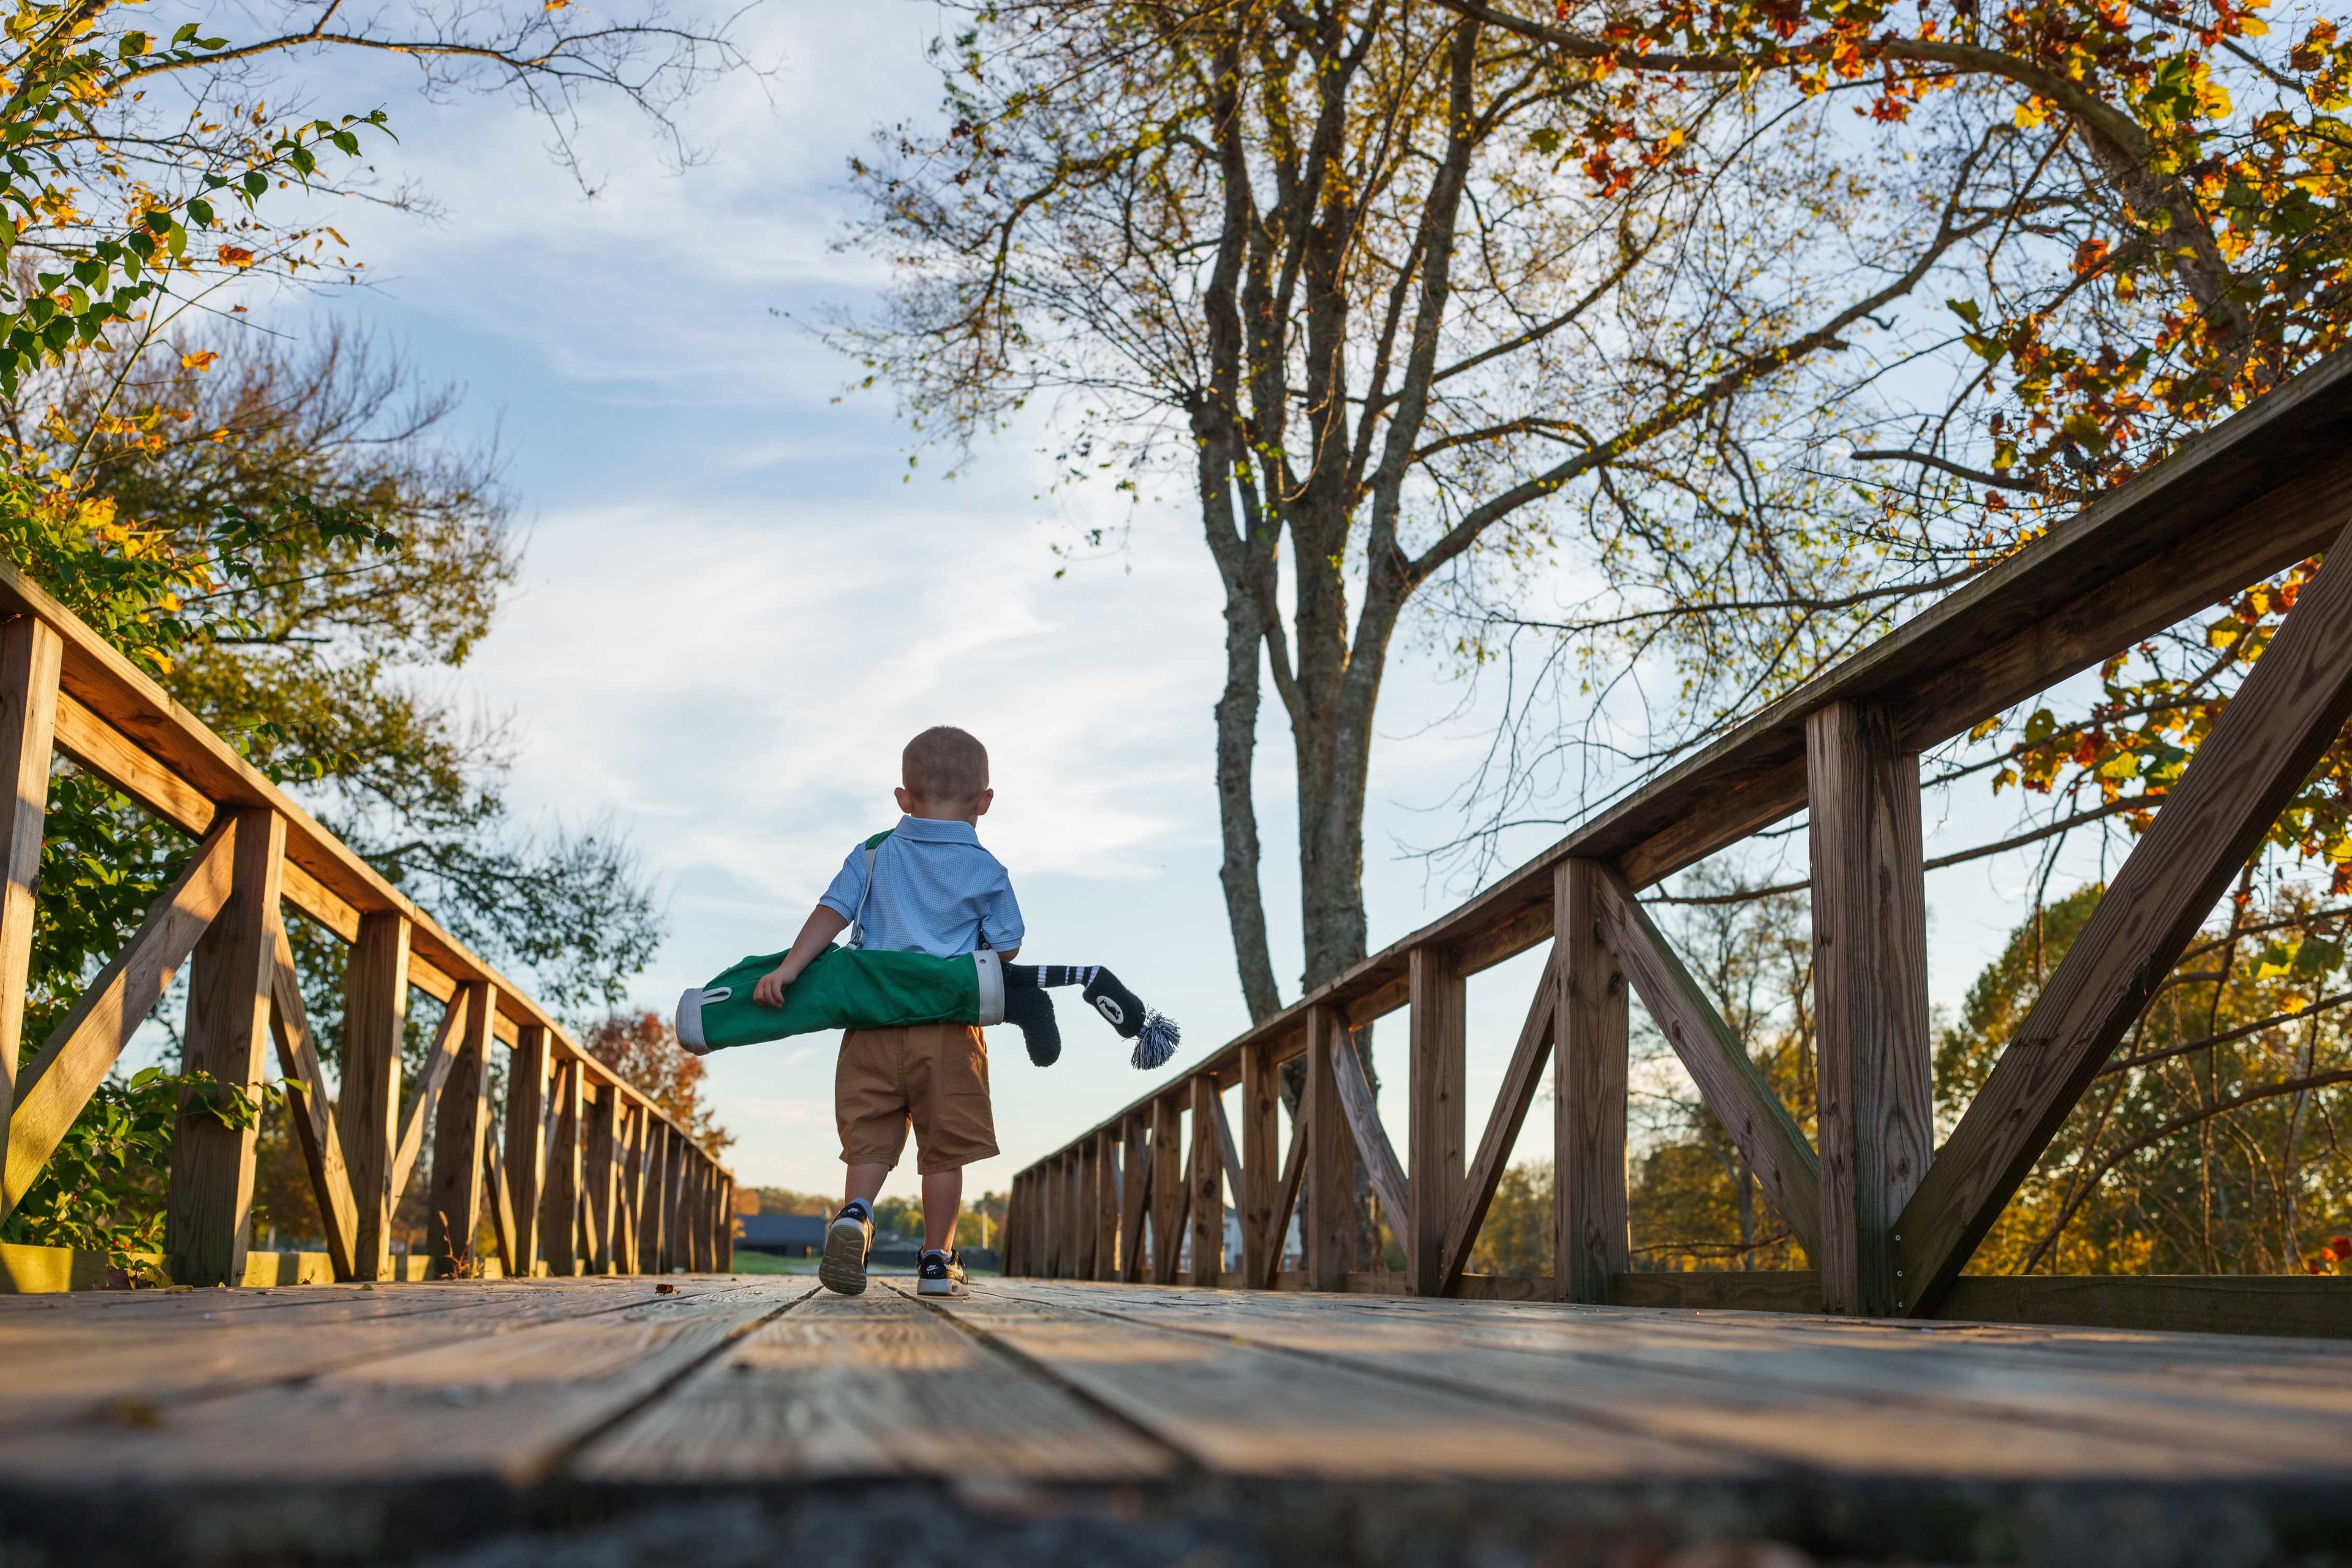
<point>843,988</point>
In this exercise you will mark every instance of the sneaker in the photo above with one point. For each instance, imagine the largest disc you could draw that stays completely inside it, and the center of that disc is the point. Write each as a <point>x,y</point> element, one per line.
<point>941,1275</point>
<point>846,1243</point>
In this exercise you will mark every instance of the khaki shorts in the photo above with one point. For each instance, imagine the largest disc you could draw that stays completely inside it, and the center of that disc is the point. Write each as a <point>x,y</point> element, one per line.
<point>932,1075</point>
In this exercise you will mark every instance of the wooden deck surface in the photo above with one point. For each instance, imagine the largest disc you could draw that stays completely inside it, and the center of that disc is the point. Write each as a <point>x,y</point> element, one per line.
<point>458,1422</point>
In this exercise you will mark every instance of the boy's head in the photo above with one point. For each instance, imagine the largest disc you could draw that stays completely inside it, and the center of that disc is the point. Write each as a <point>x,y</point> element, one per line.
<point>944,776</point>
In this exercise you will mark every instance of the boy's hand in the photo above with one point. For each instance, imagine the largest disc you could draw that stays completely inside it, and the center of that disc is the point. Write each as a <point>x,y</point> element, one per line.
<point>770,991</point>
<point>822,926</point>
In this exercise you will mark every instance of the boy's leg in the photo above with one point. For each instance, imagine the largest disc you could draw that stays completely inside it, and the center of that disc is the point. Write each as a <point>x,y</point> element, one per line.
<point>870,1105</point>
<point>942,1199</point>
<point>864,1183</point>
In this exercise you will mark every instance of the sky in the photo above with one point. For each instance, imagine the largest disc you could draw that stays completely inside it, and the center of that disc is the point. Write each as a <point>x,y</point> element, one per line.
<point>737,600</point>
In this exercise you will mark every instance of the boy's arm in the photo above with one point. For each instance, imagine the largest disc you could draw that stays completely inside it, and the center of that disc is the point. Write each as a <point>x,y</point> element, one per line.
<point>824,924</point>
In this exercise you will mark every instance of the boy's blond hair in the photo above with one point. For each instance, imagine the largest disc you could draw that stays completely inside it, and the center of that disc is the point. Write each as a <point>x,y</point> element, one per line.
<point>944,763</point>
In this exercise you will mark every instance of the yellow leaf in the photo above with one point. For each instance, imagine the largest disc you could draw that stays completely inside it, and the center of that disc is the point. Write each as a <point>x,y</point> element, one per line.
<point>202,359</point>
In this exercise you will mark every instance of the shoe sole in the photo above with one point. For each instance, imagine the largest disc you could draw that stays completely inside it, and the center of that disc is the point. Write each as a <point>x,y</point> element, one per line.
<point>843,1268</point>
<point>938,1288</point>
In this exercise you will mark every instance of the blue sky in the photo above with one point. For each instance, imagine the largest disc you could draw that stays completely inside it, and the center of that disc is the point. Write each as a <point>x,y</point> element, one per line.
<point>738,602</point>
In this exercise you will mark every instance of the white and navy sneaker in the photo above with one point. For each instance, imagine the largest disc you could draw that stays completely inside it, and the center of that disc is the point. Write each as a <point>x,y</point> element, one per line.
<point>847,1240</point>
<point>941,1275</point>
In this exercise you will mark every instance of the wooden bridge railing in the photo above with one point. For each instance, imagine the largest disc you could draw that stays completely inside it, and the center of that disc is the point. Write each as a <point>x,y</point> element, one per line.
<point>1888,1218</point>
<point>589,1176</point>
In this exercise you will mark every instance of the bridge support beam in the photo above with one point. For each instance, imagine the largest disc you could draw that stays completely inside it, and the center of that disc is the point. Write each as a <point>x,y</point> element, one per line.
<point>1875,1075</point>
<point>231,978</point>
<point>1329,1228</point>
<point>30,657</point>
<point>1588,1084</point>
<point>453,1194</point>
<point>1437,1119</point>
<point>375,1016</point>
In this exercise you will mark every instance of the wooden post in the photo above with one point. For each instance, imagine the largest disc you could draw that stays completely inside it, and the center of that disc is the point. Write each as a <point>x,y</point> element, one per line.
<point>375,1016</point>
<point>1329,1226</point>
<point>526,1139</point>
<point>1436,1139</point>
<point>726,1238</point>
<point>1588,1084</point>
<point>29,655</point>
<point>1167,1185</point>
<point>1111,1182</point>
<point>559,1207</point>
<point>234,971</point>
<point>1085,1165</point>
<point>452,1195</point>
<point>682,1154</point>
<point>1208,1185</point>
<point>704,1256</point>
<point>630,1163</point>
<point>599,1174</point>
<point>651,1236</point>
<point>1875,1072</point>
<point>1075,1228</point>
<point>1261,1176</point>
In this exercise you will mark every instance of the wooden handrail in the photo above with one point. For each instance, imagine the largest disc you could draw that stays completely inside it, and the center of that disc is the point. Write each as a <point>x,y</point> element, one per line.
<point>2264,489</point>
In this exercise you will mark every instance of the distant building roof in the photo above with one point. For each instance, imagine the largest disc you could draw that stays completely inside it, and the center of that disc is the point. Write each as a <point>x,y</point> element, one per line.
<point>783,1229</point>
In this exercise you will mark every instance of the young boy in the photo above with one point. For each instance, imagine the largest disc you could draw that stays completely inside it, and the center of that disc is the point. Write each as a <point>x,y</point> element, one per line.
<point>933,890</point>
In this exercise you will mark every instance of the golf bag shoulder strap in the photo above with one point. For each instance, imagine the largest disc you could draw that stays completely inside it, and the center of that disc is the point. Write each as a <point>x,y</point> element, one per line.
<point>858,923</point>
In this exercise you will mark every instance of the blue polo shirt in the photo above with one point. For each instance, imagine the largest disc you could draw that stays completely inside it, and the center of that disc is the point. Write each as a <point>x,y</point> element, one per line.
<point>935,891</point>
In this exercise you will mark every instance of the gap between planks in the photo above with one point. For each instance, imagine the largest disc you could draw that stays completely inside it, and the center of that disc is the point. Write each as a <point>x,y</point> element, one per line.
<point>875,1384</point>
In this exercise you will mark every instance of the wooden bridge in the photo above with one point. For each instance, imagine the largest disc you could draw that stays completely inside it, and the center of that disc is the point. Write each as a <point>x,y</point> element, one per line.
<point>1124,1395</point>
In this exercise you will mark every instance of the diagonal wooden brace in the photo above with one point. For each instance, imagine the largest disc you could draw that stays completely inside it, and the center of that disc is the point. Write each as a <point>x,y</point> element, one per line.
<point>1775,1147</point>
<point>81,1050</point>
<point>1372,1145</point>
<point>2286,713</point>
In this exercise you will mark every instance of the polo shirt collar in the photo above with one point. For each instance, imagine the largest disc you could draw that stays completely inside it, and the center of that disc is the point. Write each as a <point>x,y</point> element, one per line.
<point>933,830</point>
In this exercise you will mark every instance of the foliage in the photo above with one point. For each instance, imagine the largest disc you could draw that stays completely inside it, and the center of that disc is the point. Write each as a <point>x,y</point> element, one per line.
<point>103,1189</point>
<point>2213,1143</point>
<point>783,1200</point>
<point>981,1222</point>
<point>641,1048</point>
<point>1517,1236</point>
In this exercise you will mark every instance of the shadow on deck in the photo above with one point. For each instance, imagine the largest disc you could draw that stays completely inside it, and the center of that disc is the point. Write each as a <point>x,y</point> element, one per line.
<point>751,1421</point>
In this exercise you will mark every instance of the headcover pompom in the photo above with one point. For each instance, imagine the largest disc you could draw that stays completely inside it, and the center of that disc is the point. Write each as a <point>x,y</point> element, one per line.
<point>1157,1042</point>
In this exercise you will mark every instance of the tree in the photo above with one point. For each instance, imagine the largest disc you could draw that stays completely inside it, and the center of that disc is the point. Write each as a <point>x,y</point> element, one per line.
<point>1337,263</point>
<point>641,1047</point>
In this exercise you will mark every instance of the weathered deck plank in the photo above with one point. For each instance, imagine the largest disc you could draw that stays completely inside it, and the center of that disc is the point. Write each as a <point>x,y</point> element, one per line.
<point>172,1347</point>
<point>1858,1398</point>
<point>873,1384</point>
<point>1241,1409</point>
<point>500,1406</point>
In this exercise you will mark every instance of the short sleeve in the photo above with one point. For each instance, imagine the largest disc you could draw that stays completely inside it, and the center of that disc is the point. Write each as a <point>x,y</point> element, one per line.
<point>848,886</point>
<point>1000,915</point>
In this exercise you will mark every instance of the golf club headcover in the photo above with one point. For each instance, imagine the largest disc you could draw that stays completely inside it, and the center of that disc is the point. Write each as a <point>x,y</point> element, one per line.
<point>1030,1011</point>
<point>1155,1035</point>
